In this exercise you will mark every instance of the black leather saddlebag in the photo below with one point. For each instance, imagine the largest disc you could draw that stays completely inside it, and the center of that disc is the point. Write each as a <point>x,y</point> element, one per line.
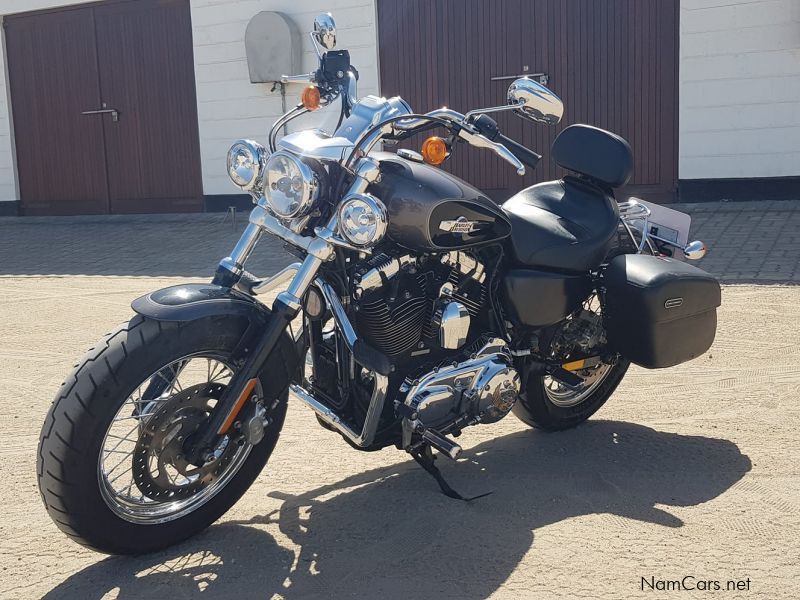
<point>659,311</point>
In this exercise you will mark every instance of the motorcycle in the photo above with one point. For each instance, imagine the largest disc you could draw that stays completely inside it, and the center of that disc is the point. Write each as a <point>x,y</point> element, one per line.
<point>421,308</point>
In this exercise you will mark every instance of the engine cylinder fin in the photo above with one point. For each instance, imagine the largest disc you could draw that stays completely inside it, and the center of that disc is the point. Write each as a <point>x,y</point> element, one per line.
<point>393,331</point>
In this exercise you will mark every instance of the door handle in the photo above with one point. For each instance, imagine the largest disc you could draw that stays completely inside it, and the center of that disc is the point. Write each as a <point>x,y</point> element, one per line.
<point>114,113</point>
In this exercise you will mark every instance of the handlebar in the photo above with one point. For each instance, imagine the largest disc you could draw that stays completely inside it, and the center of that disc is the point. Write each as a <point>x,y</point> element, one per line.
<point>481,133</point>
<point>481,141</point>
<point>336,76</point>
<point>524,154</point>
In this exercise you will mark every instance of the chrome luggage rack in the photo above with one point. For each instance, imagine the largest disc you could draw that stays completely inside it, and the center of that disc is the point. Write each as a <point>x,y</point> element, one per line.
<point>635,217</point>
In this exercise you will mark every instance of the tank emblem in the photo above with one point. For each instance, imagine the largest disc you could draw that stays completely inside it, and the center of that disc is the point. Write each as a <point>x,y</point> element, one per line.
<point>460,225</point>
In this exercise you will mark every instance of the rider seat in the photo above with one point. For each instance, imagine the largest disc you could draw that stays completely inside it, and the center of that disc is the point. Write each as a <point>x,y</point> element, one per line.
<point>567,225</point>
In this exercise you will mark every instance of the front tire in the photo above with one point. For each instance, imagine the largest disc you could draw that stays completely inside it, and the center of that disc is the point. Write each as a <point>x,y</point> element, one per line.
<point>72,475</point>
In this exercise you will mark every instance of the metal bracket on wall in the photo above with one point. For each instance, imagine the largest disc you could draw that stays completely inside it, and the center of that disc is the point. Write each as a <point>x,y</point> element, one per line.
<point>542,78</point>
<point>114,113</point>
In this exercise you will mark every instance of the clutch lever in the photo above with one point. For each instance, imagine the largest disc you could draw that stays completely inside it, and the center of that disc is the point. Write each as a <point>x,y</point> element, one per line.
<point>481,141</point>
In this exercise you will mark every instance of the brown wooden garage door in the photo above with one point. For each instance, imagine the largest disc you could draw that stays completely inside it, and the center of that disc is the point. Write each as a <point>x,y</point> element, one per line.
<point>133,57</point>
<point>613,63</point>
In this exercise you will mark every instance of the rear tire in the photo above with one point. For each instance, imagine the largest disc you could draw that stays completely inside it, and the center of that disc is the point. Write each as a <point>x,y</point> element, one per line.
<point>535,408</point>
<point>72,438</point>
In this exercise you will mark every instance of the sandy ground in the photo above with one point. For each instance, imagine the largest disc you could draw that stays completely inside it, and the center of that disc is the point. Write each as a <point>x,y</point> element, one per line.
<point>690,471</point>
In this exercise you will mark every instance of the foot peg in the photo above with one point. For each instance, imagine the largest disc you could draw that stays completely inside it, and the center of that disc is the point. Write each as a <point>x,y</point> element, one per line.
<point>442,443</point>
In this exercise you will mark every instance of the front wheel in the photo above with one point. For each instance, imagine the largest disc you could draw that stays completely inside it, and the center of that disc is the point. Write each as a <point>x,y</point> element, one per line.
<point>110,466</point>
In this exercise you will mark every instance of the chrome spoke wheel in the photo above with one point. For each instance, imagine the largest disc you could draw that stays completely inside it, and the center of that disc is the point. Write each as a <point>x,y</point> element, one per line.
<point>142,473</point>
<point>565,396</point>
<point>582,334</point>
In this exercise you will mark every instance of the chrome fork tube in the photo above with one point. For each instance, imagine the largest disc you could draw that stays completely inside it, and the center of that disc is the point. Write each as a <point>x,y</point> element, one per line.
<point>319,251</point>
<point>231,267</point>
<point>246,244</point>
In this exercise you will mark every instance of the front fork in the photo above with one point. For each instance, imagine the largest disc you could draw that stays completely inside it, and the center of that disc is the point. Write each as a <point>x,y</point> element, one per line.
<point>319,249</point>
<point>284,309</point>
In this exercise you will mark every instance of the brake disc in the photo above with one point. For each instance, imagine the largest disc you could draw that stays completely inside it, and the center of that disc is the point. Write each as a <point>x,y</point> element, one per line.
<point>159,468</point>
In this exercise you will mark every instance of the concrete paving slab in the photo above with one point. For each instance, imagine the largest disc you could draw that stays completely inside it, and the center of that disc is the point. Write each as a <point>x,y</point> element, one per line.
<point>686,471</point>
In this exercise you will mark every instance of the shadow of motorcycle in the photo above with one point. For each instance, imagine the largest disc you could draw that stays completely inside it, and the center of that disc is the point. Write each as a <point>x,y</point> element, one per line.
<point>388,533</point>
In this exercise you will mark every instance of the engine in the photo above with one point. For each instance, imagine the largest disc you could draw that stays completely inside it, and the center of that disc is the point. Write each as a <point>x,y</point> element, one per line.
<point>482,387</point>
<point>409,307</point>
<point>429,314</point>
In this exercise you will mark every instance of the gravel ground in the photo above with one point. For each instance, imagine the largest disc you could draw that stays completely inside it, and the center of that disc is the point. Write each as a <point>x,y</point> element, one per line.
<point>690,471</point>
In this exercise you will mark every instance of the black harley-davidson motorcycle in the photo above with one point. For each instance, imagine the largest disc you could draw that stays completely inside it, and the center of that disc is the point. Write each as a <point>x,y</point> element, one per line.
<point>423,308</point>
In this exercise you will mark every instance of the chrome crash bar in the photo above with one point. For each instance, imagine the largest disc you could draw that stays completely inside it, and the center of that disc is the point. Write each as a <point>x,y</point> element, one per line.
<point>367,434</point>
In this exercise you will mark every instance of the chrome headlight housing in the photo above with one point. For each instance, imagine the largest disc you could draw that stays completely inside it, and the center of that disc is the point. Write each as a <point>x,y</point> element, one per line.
<point>291,187</point>
<point>362,219</point>
<point>246,160</point>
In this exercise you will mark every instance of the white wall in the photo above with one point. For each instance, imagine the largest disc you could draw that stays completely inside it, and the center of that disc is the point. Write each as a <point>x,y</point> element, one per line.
<point>739,88</point>
<point>229,106</point>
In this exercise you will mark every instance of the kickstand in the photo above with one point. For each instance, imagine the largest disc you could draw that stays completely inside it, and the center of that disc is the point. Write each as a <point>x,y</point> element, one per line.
<point>425,458</point>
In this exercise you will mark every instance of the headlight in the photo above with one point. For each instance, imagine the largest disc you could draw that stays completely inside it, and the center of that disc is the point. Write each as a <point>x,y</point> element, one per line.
<point>291,186</point>
<point>246,164</point>
<point>362,219</point>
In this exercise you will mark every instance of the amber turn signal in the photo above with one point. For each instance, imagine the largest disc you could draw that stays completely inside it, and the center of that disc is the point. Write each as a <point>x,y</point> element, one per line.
<point>434,150</point>
<point>310,97</point>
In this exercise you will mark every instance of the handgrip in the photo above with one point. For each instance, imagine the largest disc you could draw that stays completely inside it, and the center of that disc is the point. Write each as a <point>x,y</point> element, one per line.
<point>526,155</point>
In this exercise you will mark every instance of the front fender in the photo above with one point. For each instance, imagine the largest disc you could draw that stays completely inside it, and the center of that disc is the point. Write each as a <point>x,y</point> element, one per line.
<point>191,301</point>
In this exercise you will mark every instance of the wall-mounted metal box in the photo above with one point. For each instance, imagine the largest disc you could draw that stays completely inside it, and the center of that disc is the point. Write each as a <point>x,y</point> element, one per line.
<point>273,47</point>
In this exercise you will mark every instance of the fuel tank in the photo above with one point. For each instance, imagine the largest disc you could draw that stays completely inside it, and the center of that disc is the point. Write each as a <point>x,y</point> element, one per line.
<point>431,210</point>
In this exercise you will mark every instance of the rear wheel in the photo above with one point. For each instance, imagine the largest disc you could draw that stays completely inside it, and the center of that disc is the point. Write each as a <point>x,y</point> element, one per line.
<point>111,468</point>
<point>546,402</point>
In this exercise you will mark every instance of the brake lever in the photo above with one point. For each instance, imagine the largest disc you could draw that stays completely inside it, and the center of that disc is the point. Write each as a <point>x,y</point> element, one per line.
<point>481,141</point>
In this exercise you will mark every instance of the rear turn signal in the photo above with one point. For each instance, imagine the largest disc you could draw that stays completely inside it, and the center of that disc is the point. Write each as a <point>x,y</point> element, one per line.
<point>310,97</point>
<point>434,150</point>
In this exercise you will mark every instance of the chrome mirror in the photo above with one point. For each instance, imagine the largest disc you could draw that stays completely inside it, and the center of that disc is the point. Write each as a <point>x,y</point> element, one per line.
<point>695,250</point>
<point>325,31</point>
<point>535,102</point>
